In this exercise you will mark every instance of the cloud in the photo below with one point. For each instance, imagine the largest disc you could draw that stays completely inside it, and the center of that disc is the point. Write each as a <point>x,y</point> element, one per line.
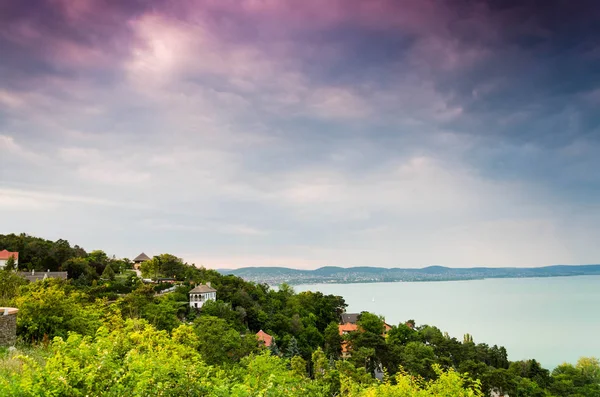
<point>381,133</point>
<point>40,199</point>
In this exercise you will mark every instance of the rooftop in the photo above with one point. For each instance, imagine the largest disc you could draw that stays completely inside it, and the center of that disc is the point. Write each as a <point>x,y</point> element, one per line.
<point>5,255</point>
<point>35,276</point>
<point>264,337</point>
<point>141,258</point>
<point>351,318</point>
<point>202,288</point>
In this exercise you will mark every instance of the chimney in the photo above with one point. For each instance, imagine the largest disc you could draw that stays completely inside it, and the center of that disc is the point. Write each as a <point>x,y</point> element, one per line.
<point>208,283</point>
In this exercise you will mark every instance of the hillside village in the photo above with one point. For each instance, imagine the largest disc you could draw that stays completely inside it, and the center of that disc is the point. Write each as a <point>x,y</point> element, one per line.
<point>198,296</point>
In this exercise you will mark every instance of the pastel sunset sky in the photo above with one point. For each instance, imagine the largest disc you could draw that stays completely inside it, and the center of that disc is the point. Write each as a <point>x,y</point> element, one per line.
<point>305,133</point>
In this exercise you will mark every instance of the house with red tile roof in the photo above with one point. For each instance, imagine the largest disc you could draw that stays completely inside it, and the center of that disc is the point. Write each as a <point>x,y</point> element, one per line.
<point>345,329</point>
<point>5,255</point>
<point>348,325</point>
<point>264,338</point>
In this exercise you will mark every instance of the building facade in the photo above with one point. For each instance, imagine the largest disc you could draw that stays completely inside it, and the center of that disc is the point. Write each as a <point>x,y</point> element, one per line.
<point>5,255</point>
<point>201,294</point>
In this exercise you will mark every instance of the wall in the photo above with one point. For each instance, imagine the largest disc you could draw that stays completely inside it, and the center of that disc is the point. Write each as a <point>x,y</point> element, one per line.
<point>8,327</point>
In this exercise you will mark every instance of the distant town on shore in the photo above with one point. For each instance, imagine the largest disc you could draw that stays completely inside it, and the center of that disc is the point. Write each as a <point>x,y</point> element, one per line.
<point>364,274</point>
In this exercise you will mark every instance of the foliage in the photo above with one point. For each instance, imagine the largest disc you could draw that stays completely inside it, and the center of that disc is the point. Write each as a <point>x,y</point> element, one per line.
<point>292,349</point>
<point>10,284</point>
<point>39,254</point>
<point>104,332</point>
<point>333,340</point>
<point>448,383</point>
<point>108,273</point>
<point>218,343</point>
<point>50,308</point>
<point>10,264</point>
<point>298,365</point>
<point>164,265</point>
<point>582,379</point>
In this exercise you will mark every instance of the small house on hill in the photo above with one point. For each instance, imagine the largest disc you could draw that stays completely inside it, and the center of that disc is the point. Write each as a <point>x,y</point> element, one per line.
<point>350,324</point>
<point>138,260</point>
<point>264,338</point>
<point>202,293</point>
<point>5,255</point>
<point>352,318</point>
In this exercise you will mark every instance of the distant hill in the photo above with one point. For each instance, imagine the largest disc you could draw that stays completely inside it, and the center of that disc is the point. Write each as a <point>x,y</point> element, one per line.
<point>365,274</point>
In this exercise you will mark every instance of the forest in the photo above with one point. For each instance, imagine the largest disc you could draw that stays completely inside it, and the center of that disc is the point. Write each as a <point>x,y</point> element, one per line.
<point>104,332</point>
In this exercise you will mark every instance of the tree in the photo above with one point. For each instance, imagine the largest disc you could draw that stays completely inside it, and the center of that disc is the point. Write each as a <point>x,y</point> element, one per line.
<point>447,383</point>
<point>108,273</point>
<point>219,343</point>
<point>298,365</point>
<point>582,379</point>
<point>10,264</point>
<point>320,364</point>
<point>590,369</point>
<point>10,284</point>
<point>79,269</point>
<point>50,308</point>
<point>274,349</point>
<point>531,369</point>
<point>368,343</point>
<point>418,358</point>
<point>333,340</point>
<point>401,335</point>
<point>150,269</point>
<point>171,266</point>
<point>369,322</point>
<point>98,260</point>
<point>292,348</point>
<point>161,313</point>
<point>223,310</point>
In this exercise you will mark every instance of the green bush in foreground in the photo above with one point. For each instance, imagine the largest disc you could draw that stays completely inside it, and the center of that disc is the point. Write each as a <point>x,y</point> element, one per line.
<point>135,359</point>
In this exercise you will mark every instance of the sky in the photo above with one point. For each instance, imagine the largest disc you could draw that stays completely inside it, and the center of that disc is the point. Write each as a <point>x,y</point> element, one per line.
<point>232,133</point>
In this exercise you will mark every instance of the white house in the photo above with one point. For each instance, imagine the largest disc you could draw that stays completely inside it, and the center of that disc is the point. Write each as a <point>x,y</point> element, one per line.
<point>5,256</point>
<point>201,294</point>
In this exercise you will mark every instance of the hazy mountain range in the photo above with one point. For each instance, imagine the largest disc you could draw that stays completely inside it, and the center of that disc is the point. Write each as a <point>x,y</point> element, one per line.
<point>333,274</point>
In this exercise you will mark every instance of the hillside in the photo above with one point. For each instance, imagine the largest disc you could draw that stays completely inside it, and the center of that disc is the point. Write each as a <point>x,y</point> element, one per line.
<point>333,274</point>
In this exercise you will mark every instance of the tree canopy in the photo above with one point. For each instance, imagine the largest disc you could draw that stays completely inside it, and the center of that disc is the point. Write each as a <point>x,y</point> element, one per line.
<point>104,332</point>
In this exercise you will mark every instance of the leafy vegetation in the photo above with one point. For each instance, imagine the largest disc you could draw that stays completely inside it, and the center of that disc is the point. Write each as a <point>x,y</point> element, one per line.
<point>104,332</point>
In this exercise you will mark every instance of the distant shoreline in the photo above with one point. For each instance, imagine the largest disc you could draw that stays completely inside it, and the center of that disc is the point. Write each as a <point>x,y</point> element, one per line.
<point>443,281</point>
<point>359,275</point>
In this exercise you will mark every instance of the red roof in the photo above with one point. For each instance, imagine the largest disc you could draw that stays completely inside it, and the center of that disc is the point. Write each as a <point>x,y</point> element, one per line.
<point>4,255</point>
<point>264,337</point>
<point>348,327</point>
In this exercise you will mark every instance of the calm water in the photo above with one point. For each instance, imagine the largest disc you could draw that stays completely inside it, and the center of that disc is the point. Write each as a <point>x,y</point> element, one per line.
<point>550,319</point>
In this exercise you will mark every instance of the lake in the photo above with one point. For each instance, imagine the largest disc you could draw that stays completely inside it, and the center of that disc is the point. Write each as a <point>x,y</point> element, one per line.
<point>553,320</point>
